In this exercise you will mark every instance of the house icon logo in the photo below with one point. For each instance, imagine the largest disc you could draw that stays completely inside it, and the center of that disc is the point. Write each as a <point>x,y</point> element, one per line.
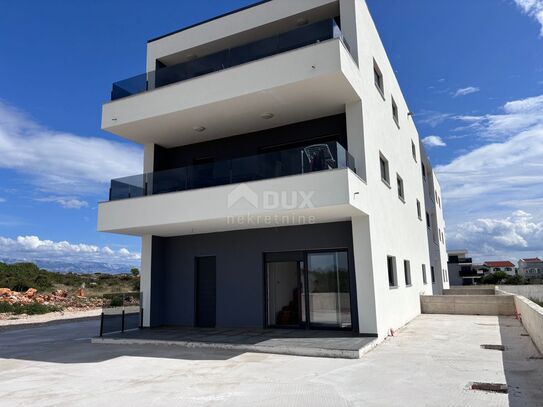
<point>242,193</point>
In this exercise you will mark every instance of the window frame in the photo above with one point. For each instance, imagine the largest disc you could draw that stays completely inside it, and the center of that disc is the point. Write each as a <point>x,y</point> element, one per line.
<point>407,273</point>
<point>395,112</point>
<point>378,74</point>
<point>386,179</point>
<point>419,210</point>
<point>400,187</point>
<point>424,276</point>
<point>391,261</point>
<point>414,150</point>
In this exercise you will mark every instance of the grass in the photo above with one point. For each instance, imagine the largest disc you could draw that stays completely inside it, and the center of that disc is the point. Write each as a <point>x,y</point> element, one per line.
<point>29,309</point>
<point>538,302</point>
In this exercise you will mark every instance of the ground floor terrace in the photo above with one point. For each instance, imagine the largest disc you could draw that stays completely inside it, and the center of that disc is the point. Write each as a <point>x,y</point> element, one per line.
<point>433,361</point>
<point>297,277</point>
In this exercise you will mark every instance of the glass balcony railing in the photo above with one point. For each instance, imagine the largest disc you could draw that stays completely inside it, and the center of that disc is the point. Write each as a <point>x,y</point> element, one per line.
<point>300,37</point>
<point>294,161</point>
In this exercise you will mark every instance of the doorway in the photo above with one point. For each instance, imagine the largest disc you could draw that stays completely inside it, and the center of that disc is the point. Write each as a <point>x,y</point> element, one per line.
<point>206,291</point>
<point>284,283</point>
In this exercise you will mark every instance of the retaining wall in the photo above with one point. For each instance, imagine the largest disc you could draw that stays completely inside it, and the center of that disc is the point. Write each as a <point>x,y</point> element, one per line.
<point>468,304</point>
<point>489,290</point>
<point>529,291</point>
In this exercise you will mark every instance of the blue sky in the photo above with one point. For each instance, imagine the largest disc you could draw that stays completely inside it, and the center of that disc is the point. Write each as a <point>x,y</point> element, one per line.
<point>471,71</point>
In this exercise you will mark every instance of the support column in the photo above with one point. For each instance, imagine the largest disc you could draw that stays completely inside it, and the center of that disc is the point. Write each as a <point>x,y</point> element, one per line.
<point>355,136</point>
<point>365,285</point>
<point>145,277</point>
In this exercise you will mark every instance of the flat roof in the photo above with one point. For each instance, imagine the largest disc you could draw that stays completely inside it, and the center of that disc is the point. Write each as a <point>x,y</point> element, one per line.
<point>210,19</point>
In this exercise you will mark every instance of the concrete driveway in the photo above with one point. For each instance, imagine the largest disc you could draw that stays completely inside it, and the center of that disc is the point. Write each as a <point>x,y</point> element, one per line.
<point>431,362</point>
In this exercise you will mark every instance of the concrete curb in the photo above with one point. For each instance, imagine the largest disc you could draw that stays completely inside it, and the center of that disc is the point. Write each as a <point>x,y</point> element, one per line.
<point>290,350</point>
<point>32,324</point>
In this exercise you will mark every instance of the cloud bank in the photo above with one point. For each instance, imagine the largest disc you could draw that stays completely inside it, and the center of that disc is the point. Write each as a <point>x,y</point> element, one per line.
<point>32,248</point>
<point>62,163</point>
<point>494,193</point>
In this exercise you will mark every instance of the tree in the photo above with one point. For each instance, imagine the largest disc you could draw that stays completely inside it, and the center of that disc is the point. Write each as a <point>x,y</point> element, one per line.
<point>135,272</point>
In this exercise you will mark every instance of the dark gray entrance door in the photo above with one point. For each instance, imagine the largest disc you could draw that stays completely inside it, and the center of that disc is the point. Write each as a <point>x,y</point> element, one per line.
<point>206,291</point>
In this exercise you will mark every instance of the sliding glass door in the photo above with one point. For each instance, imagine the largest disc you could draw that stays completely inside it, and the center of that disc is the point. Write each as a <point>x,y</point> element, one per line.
<point>329,289</point>
<point>311,290</point>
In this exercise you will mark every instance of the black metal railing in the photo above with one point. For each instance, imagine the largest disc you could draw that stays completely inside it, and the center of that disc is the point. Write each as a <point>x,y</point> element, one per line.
<point>294,161</point>
<point>298,38</point>
<point>121,312</point>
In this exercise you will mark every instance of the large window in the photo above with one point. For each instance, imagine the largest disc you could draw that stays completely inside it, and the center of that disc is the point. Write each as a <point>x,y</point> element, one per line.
<point>328,289</point>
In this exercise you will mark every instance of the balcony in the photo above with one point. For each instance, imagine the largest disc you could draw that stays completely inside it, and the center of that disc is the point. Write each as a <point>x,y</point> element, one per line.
<point>205,198</point>
<point>294,161</point>
<point>298,38</point>
<point>233,101</point>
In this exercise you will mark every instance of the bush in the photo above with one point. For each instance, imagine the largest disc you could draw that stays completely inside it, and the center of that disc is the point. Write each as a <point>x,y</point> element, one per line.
<point>514,280</point>
<point>495,278</point>
<point>29,309</point>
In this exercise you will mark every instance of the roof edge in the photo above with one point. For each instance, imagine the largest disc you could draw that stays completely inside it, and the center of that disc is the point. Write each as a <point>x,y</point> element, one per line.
<point>209,20</point>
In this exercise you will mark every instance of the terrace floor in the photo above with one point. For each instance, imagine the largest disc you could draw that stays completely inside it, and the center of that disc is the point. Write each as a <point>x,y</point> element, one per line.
<point>297,342</point>
<point>430,362</point>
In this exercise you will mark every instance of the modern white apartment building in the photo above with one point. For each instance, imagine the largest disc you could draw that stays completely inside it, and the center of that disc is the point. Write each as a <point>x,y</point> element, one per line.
<point>282,183</point>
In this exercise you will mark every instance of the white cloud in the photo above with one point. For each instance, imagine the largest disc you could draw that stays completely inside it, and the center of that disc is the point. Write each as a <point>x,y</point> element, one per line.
<point>432,118</point>
<point>62,163</point>
<point>534,9</point>
<point>65,202</point>
<point>518,115</point>
<point>33,248</point>
<point>484,186</point>
<point>466,91</point>
<point>512,236</point>
<point>433,141</point>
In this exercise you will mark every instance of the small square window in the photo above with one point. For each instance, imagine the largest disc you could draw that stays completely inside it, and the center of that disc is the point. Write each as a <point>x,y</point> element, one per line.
<point>378,79</point>
<point>385,176</point>
<point>395,113</point>
<point>433,274</point>
<point>424,280</point>
<point>414,151</point>
<point>419,210</point>
<point>407,272</point>
<point>401,194</point>
<point>391,268</point>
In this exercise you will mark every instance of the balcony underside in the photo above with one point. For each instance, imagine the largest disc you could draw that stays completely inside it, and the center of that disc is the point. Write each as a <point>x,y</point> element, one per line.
<point>321,197</point>
<point>290,85</point>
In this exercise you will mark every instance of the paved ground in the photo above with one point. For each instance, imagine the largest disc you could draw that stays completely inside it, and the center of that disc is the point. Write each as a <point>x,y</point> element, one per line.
<point>430,363</point>
<point>298,342</point>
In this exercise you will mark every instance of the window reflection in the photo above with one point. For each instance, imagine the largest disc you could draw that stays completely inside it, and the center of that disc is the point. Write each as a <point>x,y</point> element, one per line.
<point>328,289</point>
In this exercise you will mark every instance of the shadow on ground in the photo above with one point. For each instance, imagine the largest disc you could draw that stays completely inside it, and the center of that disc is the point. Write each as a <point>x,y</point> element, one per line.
<point>520,361</point>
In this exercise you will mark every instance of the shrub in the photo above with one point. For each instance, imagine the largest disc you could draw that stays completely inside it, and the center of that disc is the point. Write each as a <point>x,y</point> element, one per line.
<point>29,309</point>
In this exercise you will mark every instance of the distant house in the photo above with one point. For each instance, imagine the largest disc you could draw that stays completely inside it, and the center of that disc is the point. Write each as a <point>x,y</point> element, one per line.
<point>502,265</point>
<point>462,271</point>
<point>531,268</point>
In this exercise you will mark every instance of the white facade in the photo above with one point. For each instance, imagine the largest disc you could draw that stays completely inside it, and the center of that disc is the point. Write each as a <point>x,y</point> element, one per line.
<point>315,81</point>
